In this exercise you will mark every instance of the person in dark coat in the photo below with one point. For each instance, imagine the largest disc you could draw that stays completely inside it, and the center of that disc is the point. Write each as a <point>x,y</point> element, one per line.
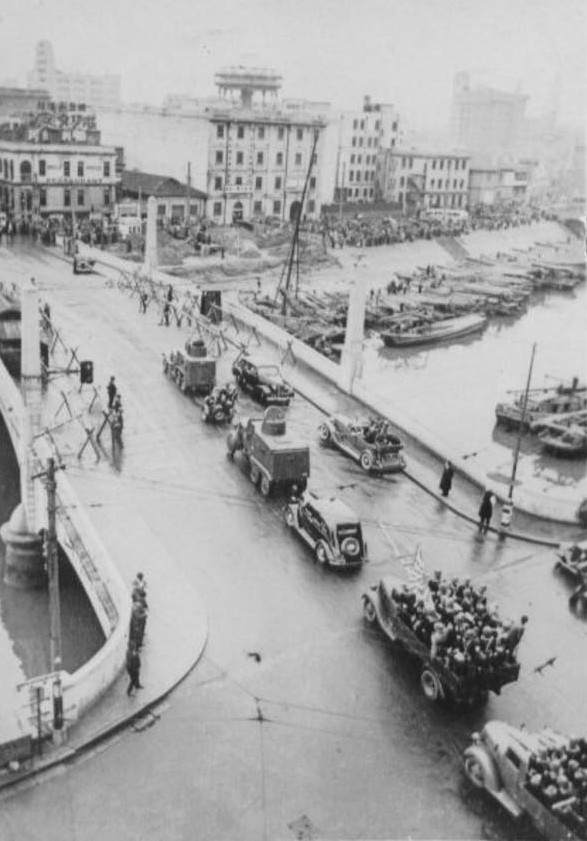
<point>133,668</point>
<point>446,478</point>
<point>485,512</point>
<point>112,391</point>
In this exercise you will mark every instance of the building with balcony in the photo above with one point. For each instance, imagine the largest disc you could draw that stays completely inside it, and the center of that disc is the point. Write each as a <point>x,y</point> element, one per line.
<point>362,138</point>
<point>424,180</point>
<point>50,166</point>
<point>99,91</point>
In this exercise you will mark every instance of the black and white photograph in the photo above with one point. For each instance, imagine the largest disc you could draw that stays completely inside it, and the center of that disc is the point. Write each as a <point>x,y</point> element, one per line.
<point>293,420</point>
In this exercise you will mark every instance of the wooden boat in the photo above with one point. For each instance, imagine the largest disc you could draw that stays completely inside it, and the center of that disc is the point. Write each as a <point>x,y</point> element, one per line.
<point>543,403</point>
<point>565,443</point>
<point>439,331</point>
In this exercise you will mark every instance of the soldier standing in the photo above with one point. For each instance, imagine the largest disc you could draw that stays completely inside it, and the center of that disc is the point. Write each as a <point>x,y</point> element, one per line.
<point>133,668</point>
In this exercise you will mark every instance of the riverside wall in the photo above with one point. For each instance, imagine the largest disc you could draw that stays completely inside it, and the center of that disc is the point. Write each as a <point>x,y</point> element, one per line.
<point>97,573</point>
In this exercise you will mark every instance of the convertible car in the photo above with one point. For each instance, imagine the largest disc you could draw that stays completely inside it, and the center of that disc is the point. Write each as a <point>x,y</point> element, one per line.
<point>369,442</point>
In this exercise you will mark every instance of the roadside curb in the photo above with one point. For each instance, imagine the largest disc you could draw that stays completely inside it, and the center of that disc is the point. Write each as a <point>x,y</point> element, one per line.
<point>67,755</point>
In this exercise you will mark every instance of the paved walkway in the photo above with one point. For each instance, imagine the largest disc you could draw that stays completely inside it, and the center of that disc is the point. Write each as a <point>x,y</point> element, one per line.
<point>177,626</point>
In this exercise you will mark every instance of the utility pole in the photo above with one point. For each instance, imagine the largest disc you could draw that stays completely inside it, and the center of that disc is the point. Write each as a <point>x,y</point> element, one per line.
<point>54,598</point>
<point>522,422</point>
<point>188,196</point>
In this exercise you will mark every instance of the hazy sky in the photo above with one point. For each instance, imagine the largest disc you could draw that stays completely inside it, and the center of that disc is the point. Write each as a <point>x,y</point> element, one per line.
<point>401,51</point>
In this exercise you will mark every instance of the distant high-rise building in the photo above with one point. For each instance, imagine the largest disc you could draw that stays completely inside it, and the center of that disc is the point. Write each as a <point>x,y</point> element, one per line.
<point>486,121</point>
<point>98,91</point>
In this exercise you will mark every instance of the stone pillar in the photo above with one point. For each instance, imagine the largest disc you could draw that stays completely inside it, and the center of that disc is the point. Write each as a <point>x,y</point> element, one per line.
<point>351,362</point>
<point>151,263</point>
<point>24,547</point>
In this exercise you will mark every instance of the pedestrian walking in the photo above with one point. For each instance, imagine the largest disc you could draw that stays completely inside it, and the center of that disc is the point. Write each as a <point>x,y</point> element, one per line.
<point>166,313</point>
<point>486,511</point>
<point>446,478</point>
<point>170,293</point>
<point>143,302</point>
<point>116,427</point>
<point>133,668</point>
<point>112,391</point>
<point>139,585</point>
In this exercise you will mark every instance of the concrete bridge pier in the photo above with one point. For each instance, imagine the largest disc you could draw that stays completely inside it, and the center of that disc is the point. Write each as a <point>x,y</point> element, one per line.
<point>151,262</point>
<point>351,362</point>
<point>24,565</point>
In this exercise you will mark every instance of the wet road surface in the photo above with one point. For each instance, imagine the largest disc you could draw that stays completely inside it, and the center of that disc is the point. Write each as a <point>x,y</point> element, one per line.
<point>331,723</point>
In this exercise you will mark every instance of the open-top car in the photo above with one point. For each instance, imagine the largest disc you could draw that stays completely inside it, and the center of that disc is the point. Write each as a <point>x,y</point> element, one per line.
<point>330,528</point>
<point>369,442</point>
<point>263,382</point>
<point>83,265</point>
<point>572,557</point>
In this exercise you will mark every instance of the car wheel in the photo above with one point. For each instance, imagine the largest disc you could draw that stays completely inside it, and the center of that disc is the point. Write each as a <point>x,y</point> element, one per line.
<point>351,547</point>
<point>475,771</point>
<point>254,474</point>
<point>431,686</point>
<point>366,460</point>
<point>290,517</point>
<point>324,433</point>
<point>321,553</point>
<point>369,612</point>
<point>265,486</point>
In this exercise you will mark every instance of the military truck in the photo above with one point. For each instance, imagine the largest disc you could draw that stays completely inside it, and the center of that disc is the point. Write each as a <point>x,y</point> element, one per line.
<point>191,368</point>
<point>273,457</point>
<point>506,761</point>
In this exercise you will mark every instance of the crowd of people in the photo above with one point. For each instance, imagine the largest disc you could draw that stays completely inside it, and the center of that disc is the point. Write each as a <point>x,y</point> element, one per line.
<point>367,231</point>
<point>557,776</point>
<point>455,621</point>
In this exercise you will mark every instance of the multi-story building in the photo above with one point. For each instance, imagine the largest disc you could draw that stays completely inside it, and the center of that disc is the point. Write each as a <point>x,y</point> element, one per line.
<point>422,180</point>
<point>248,150</point>
<point>363,137</point>
<point>50,165</point>
<point>15,102</point>
<point>498,184</point>
<point>98,91</point>
<point>484,120</point>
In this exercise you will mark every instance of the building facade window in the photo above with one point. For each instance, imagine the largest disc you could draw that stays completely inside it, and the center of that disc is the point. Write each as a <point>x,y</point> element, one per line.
<point>42,167</point>
<point>238,181</point>
<point>313,182</point>
<point>279,159</point>
<point>277,207</point>
<point>240,157</point>
<point>220,131</point>
<point>240,132</point>
<point>402,181</point>
<point>362,124</point>
<point>441,165</point>
<point>219,157</point>
<point>298,159</point>
<point>311,206</point>
<point>354,141</point>
<point>258,183</point>
<point>217,209</point>
<point>278,183</point>
<point>352,159</point>
<point>81,198</point>
<point>300,134</point>
<point>218,183</point>
<point>352,175</point>
<point>434,164</point>
<point>80,169</point>
<point>43,197</point>
<point>67,198</point>
<point>106,198</point>
<point>106,169</point>
<point>66,169</point>
<point>258,207</point>
<point>261,132</point>
<point>280,133</point>
<point>260,158</point>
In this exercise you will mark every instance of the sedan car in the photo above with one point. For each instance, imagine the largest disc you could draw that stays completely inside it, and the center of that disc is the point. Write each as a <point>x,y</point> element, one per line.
<point>263,382</point>
<point>330,528</point>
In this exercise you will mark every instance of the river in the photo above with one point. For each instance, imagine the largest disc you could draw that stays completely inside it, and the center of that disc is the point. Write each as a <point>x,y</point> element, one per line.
<point>453,389</point>
<point>24,614</point>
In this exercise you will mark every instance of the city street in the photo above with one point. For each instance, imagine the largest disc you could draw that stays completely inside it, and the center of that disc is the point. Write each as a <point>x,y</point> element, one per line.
<point>325,733</point>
